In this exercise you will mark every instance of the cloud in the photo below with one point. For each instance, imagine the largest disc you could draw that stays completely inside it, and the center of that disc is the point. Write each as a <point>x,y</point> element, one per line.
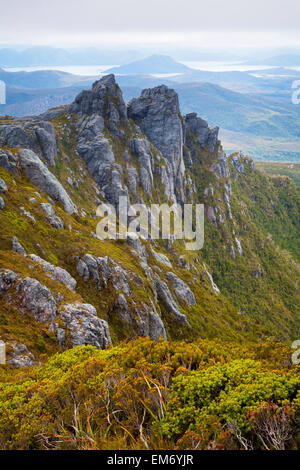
<point>150,21</point>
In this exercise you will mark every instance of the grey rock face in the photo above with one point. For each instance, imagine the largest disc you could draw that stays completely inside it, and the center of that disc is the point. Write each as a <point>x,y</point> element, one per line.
<point>55,272</point>
<point>2,204</point>
<point>181,289</point>
<point>3,186</point>
<point>83,270</point>
<point>20,356</point>
<point>105,99</point>
<point>220,168</point>
<point>14,135</point>
<point>17,247</point>
<point>36,299</point>
<point>105,272</point>
<point>161,258</point>
<point>39,175</point>
<point>79,320</point>
<point>121,310</point>
<point>168,301</point>
<point>156,112</point>
<point>98,154</point>
<point>133,180</point>
<point>8,162</point>
<point>84,326</point>
<point>206,136</point>
<point>46,138</point>
<point>140,148</point>
<point>156,326</point>
<point>211,215</point>
<point>56,222</point>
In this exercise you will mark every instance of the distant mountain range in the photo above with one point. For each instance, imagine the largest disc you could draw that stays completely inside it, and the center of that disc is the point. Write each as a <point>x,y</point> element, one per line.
<point>249,107</point>
<point>44,56</point>
<point>284,60</point>
<point>41,79</point>
<point>155,64</point>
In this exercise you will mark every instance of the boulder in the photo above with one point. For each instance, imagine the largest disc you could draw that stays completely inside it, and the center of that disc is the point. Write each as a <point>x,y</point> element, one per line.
<point>30,294</point>
<point>52,218</point>
<point>206,136</point>
<point>19,355</point>
<point>166,298</point>
<point>36,299</point>
<point>83,326</point>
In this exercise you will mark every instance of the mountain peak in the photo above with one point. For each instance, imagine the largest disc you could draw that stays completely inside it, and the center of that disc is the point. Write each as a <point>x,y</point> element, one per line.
<point>105,99</point>
<point>154,64</point>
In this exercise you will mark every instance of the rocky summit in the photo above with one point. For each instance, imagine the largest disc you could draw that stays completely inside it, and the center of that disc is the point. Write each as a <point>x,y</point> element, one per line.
<point>61,287</point>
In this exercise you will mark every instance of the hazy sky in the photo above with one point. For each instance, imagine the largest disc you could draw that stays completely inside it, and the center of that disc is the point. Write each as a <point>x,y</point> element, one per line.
<point>142,22</point>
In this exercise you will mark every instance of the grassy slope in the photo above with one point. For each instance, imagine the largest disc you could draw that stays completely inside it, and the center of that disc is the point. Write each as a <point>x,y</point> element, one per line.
<point>281,169</point>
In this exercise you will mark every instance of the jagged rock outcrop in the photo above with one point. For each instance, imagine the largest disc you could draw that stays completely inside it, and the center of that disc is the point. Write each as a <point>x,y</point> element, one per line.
<point>206,136</point>
<point>104,99</point>
<point>104,103</point>
<point>240,161</point>
<point>157,113</point>
<point>77,321</point>
<point>38,136</point>
<point>220,168</point>
<point>39,175</point>
<point>107,274</point>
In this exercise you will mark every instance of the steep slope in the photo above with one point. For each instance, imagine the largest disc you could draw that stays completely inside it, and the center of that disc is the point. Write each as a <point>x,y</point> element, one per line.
<point>61,287</point>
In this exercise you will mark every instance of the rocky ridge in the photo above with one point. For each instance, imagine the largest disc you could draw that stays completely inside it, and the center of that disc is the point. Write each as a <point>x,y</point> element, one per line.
<point>84,291</point>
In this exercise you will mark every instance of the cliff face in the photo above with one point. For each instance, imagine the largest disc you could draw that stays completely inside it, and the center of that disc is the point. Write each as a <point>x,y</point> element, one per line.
<point>56,169</point>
